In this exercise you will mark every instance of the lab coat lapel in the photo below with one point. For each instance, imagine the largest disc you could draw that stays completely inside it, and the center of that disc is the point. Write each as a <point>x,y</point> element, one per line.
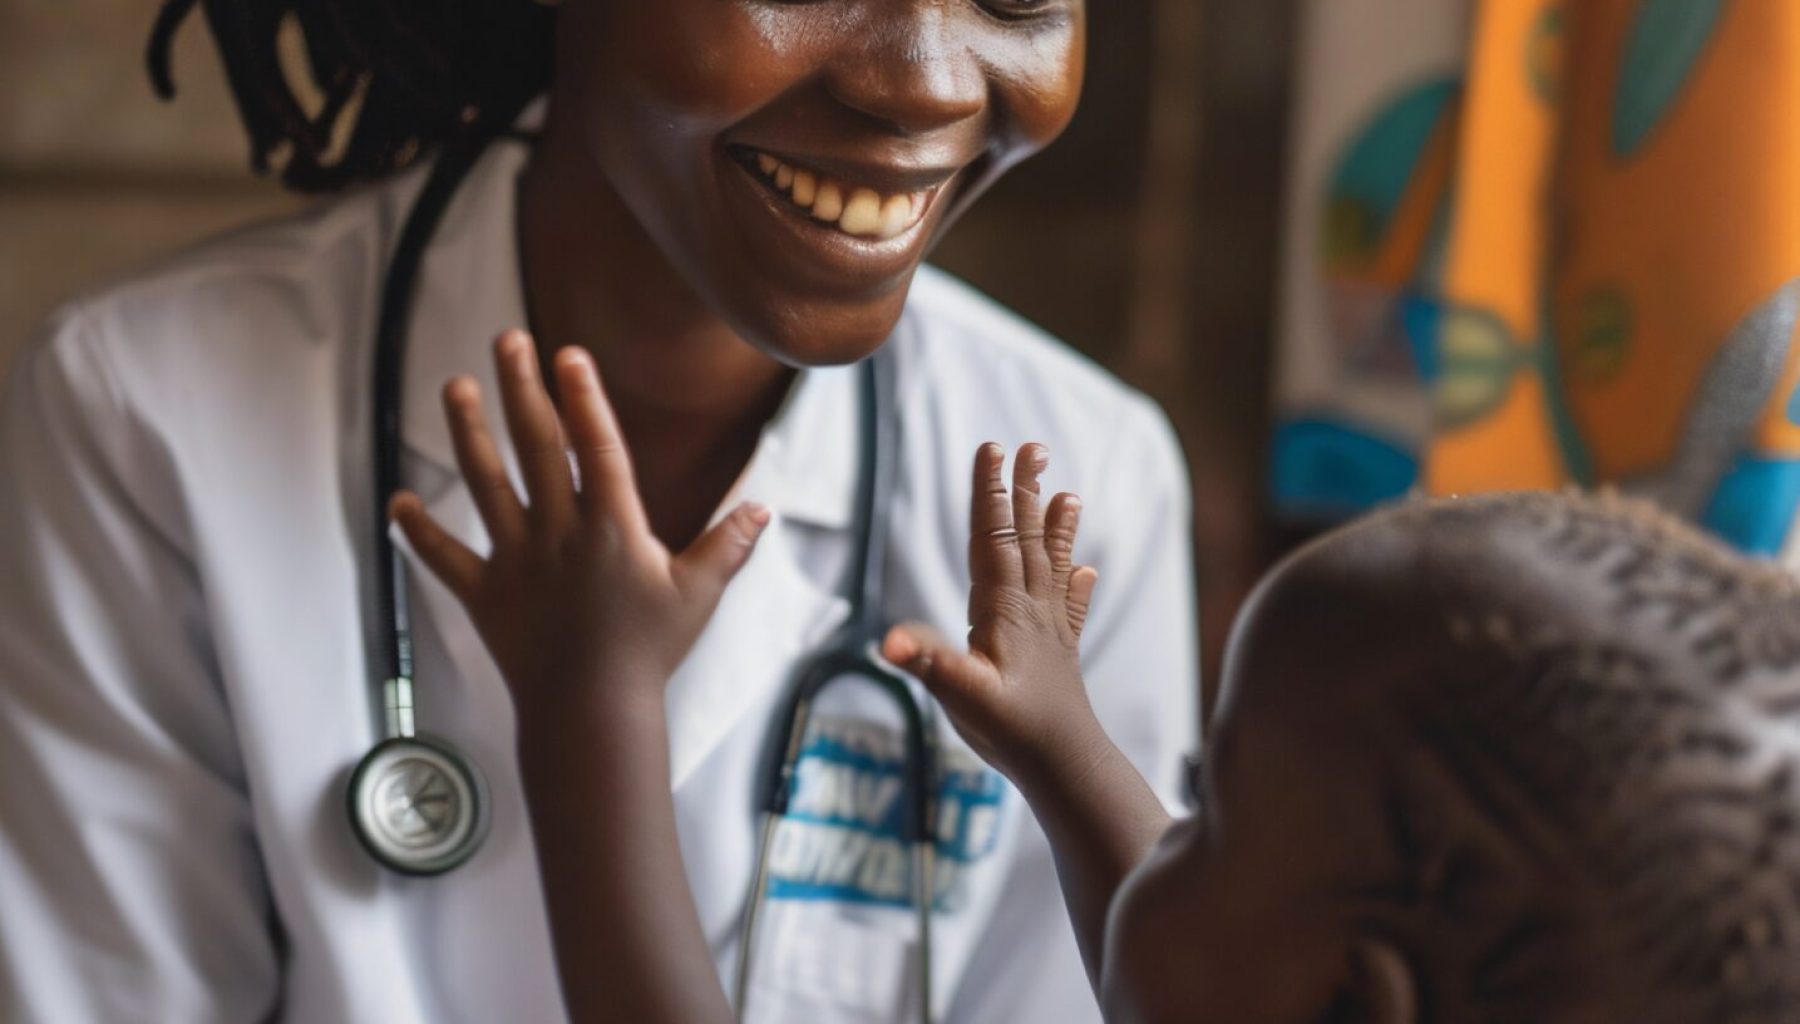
<point>769,618</point>
<point>776,612</point>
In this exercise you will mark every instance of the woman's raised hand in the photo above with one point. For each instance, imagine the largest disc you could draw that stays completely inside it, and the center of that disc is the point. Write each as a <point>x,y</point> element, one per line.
<point>578,600</point>
<point>1016,695</point>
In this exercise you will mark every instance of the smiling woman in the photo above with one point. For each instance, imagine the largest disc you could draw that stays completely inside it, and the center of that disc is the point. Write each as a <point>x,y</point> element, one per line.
<point>875,103</point>
<point>716,205</point>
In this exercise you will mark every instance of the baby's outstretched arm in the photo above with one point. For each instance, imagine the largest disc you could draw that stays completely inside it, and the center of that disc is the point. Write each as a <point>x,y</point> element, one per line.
<point>1018,697</point>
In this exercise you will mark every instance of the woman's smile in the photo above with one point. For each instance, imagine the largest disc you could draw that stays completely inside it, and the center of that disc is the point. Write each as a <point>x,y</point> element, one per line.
<point>792,174</point>
<point>838,224</point>
<point>861,210</point>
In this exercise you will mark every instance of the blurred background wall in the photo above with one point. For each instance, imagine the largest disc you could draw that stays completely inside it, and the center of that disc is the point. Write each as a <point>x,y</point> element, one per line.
<point>1146,237</point>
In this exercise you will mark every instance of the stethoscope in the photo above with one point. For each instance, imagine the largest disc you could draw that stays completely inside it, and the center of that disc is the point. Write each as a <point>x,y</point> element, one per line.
<point>419,806</point>
<point>850,655</point>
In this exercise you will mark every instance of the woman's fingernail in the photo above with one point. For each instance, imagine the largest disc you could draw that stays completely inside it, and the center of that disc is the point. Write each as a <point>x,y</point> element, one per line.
<point>757,512</point>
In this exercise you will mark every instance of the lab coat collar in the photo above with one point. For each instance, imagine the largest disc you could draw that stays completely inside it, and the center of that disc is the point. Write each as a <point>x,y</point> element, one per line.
<point>469,290</point>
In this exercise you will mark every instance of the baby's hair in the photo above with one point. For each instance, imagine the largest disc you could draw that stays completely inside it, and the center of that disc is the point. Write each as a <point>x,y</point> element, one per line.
<point>1639,725</point>
<point>396,79</point>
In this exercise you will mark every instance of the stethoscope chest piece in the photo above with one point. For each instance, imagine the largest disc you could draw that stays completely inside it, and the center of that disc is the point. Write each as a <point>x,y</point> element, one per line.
<point>418,806</point>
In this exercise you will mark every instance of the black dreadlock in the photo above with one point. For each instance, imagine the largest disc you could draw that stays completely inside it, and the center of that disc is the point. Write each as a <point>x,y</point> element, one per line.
<point>413,75</point>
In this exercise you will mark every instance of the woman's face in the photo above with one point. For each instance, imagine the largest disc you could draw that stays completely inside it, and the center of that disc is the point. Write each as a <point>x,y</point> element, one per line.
<point>795,160</point>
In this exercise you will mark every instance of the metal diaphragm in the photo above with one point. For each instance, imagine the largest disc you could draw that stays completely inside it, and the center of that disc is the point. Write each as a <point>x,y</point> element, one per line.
<point>418,806</point>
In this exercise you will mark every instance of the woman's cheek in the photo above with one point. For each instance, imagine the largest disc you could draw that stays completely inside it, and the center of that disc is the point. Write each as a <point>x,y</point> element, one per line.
<point>702,66</point>
<point>1039,85</point>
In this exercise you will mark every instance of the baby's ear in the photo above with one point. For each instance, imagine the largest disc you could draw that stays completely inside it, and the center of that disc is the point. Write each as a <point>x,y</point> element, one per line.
<point>1379,985</point>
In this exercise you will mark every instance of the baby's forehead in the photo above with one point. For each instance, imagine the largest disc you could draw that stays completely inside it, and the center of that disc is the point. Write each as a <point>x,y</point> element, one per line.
<point>1376,633</point>
<point>1433,577</point>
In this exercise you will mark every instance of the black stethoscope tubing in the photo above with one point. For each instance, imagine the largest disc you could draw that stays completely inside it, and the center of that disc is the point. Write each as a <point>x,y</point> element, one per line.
<point>417,804</point>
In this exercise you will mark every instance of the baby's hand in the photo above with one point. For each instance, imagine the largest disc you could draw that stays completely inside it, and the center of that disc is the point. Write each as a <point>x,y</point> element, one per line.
<point>579,601</point>
<point>1017,695</point>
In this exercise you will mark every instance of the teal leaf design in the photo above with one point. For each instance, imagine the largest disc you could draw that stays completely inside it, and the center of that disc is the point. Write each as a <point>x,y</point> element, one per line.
<point>1666,43</point>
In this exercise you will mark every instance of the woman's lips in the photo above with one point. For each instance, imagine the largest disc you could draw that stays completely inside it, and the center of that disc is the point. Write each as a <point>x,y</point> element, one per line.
<point>851,208</point>
<point>864,231</point>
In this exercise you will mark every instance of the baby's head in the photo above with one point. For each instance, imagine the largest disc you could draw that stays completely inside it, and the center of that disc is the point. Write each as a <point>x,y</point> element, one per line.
<point>1515,758</point>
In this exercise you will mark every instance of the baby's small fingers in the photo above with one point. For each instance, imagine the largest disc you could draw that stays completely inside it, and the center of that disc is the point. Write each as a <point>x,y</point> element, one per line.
<point>949,673</point>
<point>449,559</point>
<point>708,566</point>
<point>1081,594</point>
<point>482,468</point>
<point>994,560</point>
<point>536,432</point>
<point>1028,515</point>
<point>1061,524</point>
<point>608,487</point>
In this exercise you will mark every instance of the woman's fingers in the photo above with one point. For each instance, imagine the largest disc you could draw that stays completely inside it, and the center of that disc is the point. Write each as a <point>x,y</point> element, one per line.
<point>703,571</point>
<point>994,559</point>
<point>1061,523</point>
<point>1028,516</point>
<point>449,559</point>
<point>536,433</point>
<point>1081,593</point>
<point>482,468</point>
<point>608,489</point>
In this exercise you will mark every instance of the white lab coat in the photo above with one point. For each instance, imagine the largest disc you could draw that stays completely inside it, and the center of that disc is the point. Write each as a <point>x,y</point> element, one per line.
<point>185,619</point>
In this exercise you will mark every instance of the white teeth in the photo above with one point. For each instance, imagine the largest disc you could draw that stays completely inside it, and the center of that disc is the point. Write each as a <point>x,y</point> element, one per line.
<point>830,204</point>
<point>862,214</point>
<point>896,214</point>
<point>854,210</point>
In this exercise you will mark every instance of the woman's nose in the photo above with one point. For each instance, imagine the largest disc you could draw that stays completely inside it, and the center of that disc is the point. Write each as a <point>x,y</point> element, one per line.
<point>909,69</point>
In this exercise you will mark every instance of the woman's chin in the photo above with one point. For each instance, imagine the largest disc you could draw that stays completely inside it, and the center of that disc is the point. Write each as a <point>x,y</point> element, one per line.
<point>803,333</point>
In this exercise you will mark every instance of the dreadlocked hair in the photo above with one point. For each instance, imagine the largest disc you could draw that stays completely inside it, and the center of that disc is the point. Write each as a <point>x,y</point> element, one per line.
<point>397,79</point>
